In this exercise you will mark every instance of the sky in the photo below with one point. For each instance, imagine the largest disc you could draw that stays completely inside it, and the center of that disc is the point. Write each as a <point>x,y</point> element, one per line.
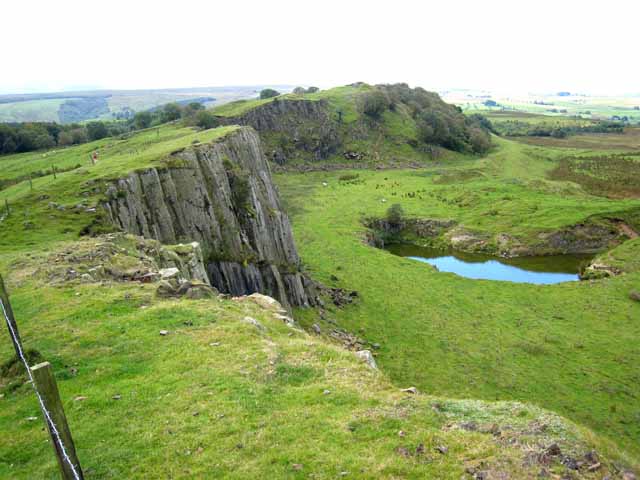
<point>508,46</point>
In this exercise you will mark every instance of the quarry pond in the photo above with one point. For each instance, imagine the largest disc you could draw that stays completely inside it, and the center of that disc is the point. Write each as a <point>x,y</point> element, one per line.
<point>541,270</point>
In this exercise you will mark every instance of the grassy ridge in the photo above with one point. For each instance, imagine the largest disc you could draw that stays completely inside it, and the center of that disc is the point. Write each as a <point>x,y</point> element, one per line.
<point>219,398</point>
<point>551,345</point>
<point>341,98</point>
<point>35,222</point>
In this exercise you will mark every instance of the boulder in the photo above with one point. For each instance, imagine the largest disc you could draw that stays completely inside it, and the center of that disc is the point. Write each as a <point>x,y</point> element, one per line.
<point>167,273</point>
<point>266,302</point>
<point>200,291</point>
<point>367,357</point>
<point>254,322</point>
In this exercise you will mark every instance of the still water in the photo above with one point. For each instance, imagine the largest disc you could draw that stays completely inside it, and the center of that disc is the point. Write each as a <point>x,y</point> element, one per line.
<point>540,270</point>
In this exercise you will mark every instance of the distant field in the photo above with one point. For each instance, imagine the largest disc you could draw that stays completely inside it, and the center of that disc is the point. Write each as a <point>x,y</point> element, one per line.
<point>68,107</point>
<point>34,110</point>
<point>630,140</point>
<point>584,106</point>
<point>613,175</point>
<point>531,118</point>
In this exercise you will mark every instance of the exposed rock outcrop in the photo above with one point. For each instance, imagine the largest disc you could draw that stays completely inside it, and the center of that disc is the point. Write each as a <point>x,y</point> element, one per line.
<point>220,195</point>
<point>591,236</point>
<point>292,126</point>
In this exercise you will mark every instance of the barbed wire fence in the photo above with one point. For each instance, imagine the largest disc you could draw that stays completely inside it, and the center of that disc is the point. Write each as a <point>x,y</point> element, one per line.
<point>54,417</point>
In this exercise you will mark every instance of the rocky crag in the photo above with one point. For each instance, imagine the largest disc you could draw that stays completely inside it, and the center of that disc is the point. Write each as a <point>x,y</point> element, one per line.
<point>220,195</point>
<point>358,124</point>
<point>293,128</point>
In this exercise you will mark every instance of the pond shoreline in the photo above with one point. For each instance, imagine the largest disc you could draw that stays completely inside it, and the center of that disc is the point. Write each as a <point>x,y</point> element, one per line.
<point>549,269</point>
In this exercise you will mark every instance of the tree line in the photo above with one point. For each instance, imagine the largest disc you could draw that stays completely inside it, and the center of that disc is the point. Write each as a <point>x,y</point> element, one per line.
<point>27,137</point>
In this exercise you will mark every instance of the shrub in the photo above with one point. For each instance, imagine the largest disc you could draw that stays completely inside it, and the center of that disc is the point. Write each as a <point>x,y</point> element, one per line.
<point>79,135</point>
<point>479,140</point>
<point>395,214</point>
<point>171,112</point>
<point>374,103</point>
<point>269,93</point>
<point>65,138</point>
<point>205,119</point>
<point>348,177</point>
<point>142,120</point>
<point>97,130</point>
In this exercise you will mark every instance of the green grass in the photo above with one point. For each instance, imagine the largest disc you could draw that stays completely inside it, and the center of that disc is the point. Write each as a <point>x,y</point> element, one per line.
<point>238,107</point>
<point>570,347</point>
<point>34,223</point>
<point>272,404</point>
<point>255,406</point>
<point>340,98</point>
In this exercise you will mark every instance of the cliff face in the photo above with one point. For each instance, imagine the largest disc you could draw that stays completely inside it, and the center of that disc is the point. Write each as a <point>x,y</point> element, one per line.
<point>294,127</point>
<point>222,196</point>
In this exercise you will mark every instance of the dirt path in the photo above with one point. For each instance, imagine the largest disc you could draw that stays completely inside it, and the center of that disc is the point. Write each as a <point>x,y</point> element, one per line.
<point>627,230</point>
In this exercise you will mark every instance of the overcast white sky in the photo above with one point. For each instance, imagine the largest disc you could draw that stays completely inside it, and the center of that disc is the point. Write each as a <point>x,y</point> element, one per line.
<point>514,46</point>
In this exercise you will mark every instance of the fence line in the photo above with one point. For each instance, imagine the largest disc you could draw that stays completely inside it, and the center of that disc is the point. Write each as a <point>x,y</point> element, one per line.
<point>46,413</point>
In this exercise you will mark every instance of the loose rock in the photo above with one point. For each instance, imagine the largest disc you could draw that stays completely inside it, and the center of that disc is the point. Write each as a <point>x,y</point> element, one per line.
<point>254,322</point>
<point>367,357</point>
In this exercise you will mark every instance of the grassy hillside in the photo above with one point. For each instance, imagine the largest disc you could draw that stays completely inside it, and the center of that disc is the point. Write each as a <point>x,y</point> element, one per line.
<point>58,208</point>
<point>358,123</point>
<point>570,347</point>
<point>218,397</point>
<point>221,397</point>
<point>33,111</point>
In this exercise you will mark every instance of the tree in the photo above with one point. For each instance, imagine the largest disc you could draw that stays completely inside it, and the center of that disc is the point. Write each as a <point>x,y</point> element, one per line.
<point>192,108</point>
<point>65,138</point>
<point>374,104</point>
<point>171,112</point>
<point>9,145</point>
<point>205,119</point>
<point>269,93</point>
<point>79,135</point>
<point>299,91</point>
<point>479,140</point>
<point>97,130</point>
<point>395,215</point>
<point>142,120</point>
<point>312,89</point>
<point>43,140</point>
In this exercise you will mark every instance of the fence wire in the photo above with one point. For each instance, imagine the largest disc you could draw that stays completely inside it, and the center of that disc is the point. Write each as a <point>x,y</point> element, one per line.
<point>54,429</point>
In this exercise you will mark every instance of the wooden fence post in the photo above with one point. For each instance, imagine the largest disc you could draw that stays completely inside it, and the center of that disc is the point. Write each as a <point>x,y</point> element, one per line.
<point>46,389</point>
<point>53,167</point>
<point>46,385</point>
<point>15,334</point>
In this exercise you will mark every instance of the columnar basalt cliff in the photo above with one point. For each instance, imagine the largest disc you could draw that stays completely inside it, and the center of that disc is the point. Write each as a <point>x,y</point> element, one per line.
<point>222,196</point>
